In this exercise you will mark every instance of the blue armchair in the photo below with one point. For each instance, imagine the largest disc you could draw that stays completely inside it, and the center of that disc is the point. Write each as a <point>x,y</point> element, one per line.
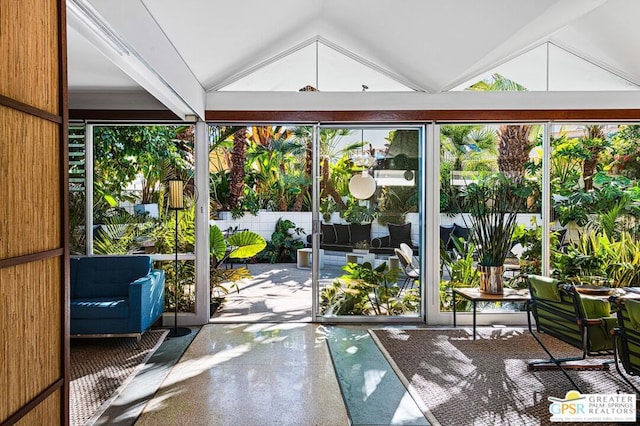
<point>120,295</point>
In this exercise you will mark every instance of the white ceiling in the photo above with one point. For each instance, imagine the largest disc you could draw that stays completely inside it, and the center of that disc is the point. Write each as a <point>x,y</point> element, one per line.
<point>182,52</point>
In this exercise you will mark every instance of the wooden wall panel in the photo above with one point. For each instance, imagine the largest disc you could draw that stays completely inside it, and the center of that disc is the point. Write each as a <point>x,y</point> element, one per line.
<point>30,331</point>
<point>30,214</point>
<point>30,73</point>
<point>34,337</point>
<point>42,414</point>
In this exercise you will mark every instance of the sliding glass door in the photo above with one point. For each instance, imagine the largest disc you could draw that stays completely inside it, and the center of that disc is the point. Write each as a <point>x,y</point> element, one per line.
<point>368,221</point>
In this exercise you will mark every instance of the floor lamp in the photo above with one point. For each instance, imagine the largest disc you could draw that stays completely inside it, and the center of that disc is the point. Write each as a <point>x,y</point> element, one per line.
<point>176,202</point>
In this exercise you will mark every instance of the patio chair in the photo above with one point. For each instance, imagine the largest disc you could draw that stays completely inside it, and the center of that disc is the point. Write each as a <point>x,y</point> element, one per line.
<point>408,251</point>
<point>627,339</point>
<point>584,322</point>
<point>411,274</point>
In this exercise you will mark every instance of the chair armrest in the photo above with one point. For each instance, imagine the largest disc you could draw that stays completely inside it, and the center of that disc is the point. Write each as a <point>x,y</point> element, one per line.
<point>146,298</point>
<point>381,241</point>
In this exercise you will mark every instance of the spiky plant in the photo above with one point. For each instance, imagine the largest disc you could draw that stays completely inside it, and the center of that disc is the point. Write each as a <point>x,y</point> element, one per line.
<point>494,203</point>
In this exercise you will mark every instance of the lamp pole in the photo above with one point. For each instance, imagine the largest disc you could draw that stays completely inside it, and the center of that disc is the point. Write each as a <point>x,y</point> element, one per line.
<point>176,202</point>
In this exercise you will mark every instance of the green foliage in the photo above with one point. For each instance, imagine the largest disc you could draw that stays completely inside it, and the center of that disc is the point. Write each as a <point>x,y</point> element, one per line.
<point>273,172</point>
<point>574,208</point>
<point>341,172</point>
<point>118,235</point>
<point>164,234</point>
<point>77,231</point>
<point>566,165</point>
<point>395,202</point>
<point>494,203</point>
<point>123,152</point>
<point>222,281</point>
<point>284,244</point>
<point>239,245</point>
<point>217,244</point>
<point>461,267</point>
<point>595,254</point>
<point>357,213</point>
<point>611,198</point>
<point>497,82</point>
<point>626,148</point>
<point>245,244</point>
<point>250,203</point>
<point>327,207</point>
<point>365,290</point>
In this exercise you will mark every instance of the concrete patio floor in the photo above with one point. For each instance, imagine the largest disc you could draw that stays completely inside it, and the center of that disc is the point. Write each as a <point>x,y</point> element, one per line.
<point>277,293</point>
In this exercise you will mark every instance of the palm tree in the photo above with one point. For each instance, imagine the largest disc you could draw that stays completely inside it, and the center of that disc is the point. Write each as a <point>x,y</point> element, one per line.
<point>331,151</point>
<point>514,146</point>
<point>514,142</point>
<point>238,156</point>
<point>468,146</point>
<point>264,135</point>
<point>305,136</point>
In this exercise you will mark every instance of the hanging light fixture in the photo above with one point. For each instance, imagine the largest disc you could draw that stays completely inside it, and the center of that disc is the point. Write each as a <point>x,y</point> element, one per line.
<point>362,185</point>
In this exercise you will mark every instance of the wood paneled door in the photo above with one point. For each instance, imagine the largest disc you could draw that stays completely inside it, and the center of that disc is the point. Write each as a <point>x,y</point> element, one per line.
<point>34,262</point>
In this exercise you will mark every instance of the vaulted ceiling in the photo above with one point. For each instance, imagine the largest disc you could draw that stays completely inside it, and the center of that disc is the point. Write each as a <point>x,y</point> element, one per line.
<point>180,55</point>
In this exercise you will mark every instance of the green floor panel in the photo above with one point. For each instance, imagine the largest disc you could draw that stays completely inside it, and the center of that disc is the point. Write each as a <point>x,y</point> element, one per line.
<point>372,392</point>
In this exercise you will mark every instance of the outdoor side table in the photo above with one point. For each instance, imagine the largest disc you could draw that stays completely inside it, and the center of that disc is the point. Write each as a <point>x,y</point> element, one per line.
<point>359,258</point>
<point>304,258</point>
<point>474,295</point>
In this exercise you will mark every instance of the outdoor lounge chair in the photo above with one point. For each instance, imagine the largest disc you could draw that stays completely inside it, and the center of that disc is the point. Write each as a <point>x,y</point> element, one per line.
<point>584,322</point>
<point>627,339</point>
<point>411,273</point>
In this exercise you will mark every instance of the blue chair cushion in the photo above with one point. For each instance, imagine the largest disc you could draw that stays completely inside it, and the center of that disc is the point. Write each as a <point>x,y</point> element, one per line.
<point>100,308</point>
<point>107,276</point>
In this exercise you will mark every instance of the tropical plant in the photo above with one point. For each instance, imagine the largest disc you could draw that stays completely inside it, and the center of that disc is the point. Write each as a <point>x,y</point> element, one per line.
<point>626,148</point>
<point>122,153</point>
<point>284,244</point>
<point>467,147</point>
<point>365,290</point>
<point>273,173</point>
<point>327,207</point>
<point>595,254</point>
<point>357,213</point>
<point>77,231</point>
<point>593,142</point>
<point>305,137</point>
<point>238,155</point>
<point>514,140</point>
<point>459,264</point>
<point>494,203</point>
<point>395,202</point>
<point>566,165</point>
<point>239,245</point>
<point>574,208</point>
<point>335,165</point>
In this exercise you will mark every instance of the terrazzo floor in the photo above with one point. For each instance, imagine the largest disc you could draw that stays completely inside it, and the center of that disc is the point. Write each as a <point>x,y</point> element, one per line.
<point>282,374</point>
<point>262,362</point>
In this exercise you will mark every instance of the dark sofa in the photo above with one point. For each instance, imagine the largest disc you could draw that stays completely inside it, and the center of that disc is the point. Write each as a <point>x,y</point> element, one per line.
<point>343,237</point>
<point>120,295</point>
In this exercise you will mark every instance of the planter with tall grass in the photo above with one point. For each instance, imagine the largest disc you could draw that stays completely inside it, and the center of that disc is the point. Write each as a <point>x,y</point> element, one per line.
<point>494,203</point>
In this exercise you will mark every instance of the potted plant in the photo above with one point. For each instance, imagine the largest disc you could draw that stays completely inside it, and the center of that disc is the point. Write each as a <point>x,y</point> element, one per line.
<point>494,203</point>
<point>240,245</point>
<point>361,247</point>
